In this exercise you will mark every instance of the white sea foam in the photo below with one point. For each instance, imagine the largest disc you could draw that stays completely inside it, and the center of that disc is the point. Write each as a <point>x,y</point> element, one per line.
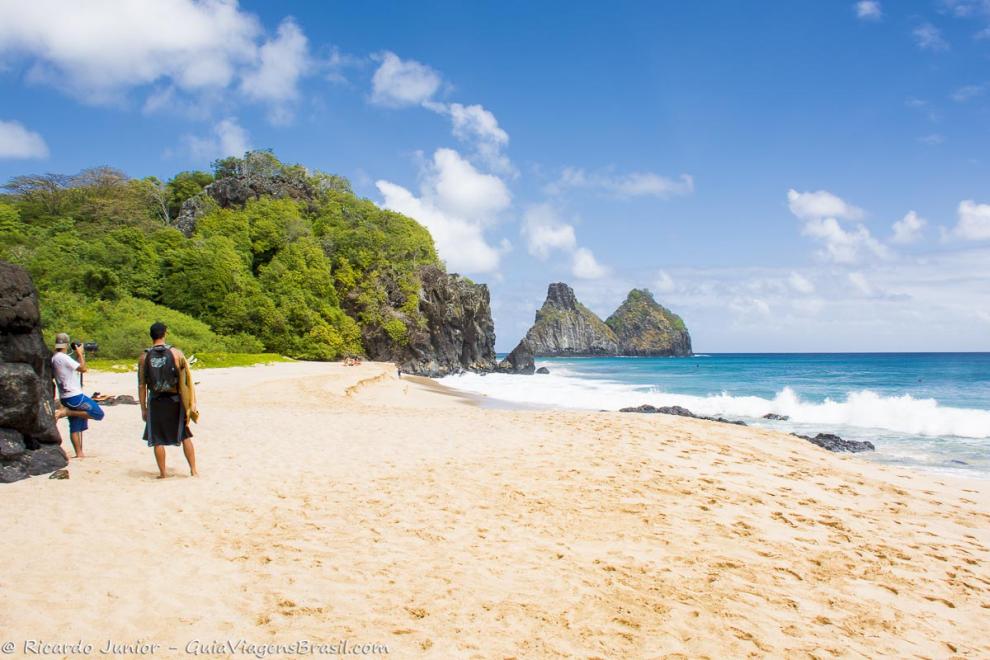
<point>862,409</point>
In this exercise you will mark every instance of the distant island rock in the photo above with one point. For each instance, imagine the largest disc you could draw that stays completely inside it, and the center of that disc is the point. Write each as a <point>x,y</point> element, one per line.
<point>566,328</point>
<point>642,326</point>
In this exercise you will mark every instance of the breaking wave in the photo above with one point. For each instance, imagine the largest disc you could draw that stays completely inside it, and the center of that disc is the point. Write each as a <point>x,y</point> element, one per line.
<point>861,408</point>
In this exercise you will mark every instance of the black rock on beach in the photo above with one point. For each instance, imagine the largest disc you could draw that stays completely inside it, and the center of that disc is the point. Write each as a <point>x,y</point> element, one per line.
<point>833,442</point>
<point>678,411</point>
<point>29,440</point>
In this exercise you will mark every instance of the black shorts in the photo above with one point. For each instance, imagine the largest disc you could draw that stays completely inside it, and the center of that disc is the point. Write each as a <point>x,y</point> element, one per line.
<point>166,423</point>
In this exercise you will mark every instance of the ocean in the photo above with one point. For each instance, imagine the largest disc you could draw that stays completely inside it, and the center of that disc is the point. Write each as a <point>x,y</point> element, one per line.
<point>929,411</point>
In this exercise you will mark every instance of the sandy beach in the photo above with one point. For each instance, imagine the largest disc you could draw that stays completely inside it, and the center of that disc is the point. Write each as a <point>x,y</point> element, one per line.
<point>341,503</point>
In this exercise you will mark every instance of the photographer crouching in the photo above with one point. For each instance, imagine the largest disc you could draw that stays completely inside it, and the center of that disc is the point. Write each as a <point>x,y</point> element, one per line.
<point>78,407</point>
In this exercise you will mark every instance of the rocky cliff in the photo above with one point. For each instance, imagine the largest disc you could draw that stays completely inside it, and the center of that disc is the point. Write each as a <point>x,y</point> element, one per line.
<point>565,327</point>
<point>29,441</point>
<point>457,334</point>
<point>644,327</point>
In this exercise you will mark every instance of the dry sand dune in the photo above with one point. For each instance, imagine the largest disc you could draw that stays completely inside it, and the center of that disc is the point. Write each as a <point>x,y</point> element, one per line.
<point>343,504</point>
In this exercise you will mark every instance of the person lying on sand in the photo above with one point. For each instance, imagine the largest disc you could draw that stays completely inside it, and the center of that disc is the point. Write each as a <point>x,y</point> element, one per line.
<point>168,399</point>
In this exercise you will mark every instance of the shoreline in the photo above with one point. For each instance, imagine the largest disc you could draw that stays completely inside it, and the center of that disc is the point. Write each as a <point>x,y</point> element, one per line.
<point>343,503</point>
<point>912,428</point>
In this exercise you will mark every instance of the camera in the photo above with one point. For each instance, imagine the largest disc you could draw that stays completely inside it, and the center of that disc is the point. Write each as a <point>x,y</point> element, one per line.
<point>88,346</point>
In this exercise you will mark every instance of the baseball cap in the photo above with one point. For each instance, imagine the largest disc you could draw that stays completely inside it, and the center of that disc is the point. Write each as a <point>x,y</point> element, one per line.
<point>61,340</point>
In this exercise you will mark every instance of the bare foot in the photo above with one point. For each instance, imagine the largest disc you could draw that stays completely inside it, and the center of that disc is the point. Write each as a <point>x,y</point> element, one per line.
<point>193,473</point>
<point>60,413</point>
<point>79,456</point>
<point>162,476</point>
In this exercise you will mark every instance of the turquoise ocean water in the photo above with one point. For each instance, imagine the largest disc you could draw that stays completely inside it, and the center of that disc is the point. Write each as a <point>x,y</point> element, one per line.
<point>925,410</point>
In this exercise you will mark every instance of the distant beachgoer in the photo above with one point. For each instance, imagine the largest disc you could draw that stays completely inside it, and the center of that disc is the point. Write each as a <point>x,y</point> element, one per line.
<point>168,399</point>
<point>78,407</point>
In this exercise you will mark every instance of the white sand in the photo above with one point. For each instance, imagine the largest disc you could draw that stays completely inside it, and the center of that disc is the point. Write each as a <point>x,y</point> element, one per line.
<point>340,503</point>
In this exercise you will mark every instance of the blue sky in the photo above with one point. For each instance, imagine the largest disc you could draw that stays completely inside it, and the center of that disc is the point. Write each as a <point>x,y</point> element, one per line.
<point>788,176</point>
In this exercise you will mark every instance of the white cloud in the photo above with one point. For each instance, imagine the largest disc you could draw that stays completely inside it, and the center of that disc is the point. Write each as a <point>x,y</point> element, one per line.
<point>820,204</point>
<point>908,229</point>
<point>974,221</point>
<point>844,246</point>
<point>282,61</point>
<point>461,190</point>
<point>460,242</point>
<point>228,139</point>
<point>337,62</point>
<point>456,204</point>
<point>966,8</point>
<point>929,37</point>
<point>192,54</point>
<point>545,232</point>
<point>401,83</point>
<point>800,283</point>
<point>820,211</point>
<point>475,125</point>
<point>968,92</point>
<point>932,139</point>
<point>868,10</point>
<point>586,267</point>
<point>97,50</point>
<point>664,283</point>
<point>916,302</point>
<point>635,184</point>
<point>860,283</point>
<point>18,142</point>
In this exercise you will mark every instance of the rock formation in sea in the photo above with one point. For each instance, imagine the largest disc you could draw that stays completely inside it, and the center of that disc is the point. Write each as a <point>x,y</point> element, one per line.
<point>458,334</point>
<point>519,361</point>
<point>565,327</point>
<point>642,326</point>
<point>29,440</point>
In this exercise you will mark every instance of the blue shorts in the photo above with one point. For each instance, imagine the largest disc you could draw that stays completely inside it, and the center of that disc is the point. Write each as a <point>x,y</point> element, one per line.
<point>82,402</point>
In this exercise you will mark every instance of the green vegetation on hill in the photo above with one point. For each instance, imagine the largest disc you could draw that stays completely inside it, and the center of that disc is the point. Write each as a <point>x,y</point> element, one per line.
<point>276,259</point>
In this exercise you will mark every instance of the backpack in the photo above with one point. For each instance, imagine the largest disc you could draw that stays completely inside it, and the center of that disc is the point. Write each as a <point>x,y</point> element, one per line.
<point>161,374</point>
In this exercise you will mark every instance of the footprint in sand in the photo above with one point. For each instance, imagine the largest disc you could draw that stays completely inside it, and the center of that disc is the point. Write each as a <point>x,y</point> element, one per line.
<point>936,599</point>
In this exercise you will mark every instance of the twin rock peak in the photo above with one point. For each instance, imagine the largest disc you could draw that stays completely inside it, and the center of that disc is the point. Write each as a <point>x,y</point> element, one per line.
<point>566,328</point>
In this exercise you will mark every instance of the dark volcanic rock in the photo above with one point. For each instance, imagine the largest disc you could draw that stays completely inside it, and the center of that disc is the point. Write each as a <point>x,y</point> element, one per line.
<point>678,411</point>
<point>11,444</point>
<point>44,460</point>
<point>543,370</point>
<point>833,442</point>
<point>564,326</point>
<point>519,361</point>
<point>459,334</point>
<point>19,392</point>
<point>645,408</point>
<point>776,417</point>
<point>29,438</point>
<point>642,326</point>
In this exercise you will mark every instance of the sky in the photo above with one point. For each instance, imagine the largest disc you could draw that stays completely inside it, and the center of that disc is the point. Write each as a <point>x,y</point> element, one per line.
<point>786,175</point>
